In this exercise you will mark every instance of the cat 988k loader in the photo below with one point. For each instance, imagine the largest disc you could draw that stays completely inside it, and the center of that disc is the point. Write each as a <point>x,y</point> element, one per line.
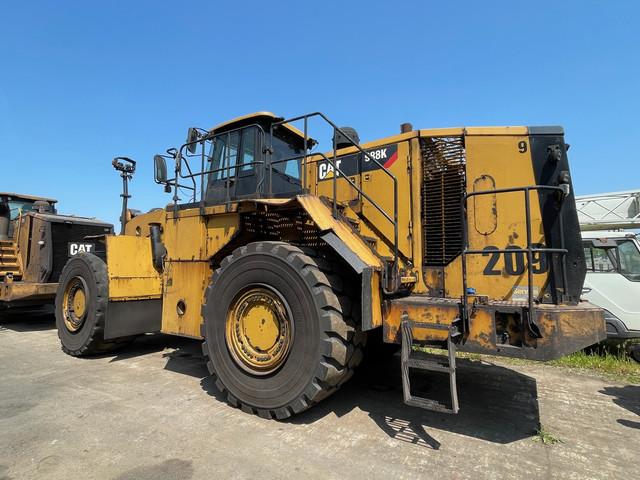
<point>284,259</point>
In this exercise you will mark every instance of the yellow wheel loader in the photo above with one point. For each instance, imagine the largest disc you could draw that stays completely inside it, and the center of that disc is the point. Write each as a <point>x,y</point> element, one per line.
<point>285,259</point>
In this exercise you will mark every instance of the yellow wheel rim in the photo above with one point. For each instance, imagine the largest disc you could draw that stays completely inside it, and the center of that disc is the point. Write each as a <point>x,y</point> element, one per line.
<point>74,304</point>
<point>259,331</point>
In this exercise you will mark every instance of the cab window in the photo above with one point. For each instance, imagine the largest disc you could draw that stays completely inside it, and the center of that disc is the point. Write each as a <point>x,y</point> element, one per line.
<point>622,257</point>
<point>629,259</point>
<point>19,207</point>
<point>223,156</point>
<point>248,157</point>
<point>283,149</point>
<point>599,259</point>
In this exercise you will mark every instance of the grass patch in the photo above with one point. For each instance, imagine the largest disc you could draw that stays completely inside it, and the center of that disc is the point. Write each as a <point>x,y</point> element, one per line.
<point>617,365</point>
<point>545,437</point>
<point>612,363</point>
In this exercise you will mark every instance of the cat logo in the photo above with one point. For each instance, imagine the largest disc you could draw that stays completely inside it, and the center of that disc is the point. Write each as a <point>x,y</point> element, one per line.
<point>76,248</point>
<point>356,163</point>
<point>325,170</point>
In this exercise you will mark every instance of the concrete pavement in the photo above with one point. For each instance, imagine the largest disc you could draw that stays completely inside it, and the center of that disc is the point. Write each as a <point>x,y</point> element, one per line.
<point>150,411</point>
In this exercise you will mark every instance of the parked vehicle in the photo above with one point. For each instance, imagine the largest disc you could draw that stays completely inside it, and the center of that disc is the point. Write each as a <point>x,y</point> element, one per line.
<point>35,243</point>
<point>287,262</point>
<point>613,262</point>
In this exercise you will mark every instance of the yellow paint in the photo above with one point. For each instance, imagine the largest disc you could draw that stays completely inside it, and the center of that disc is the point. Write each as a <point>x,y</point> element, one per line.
<point>184,282</point>
<point>184,237</point>
<point>260,326</point>
<point>193,236</point>
<point>13,291</point>
<point>258,116</point>
<point>220,229</point>
<point>470,131</point>
<point>259,331</point>
<point>79,303</point>
<point>130,269</point>
<point>497,220</point>
<point>418,311</point>
<point>487,223</point>
<point>378,186</point>
<point>139,226</point>
<point>520,131</point>
<point>323,218</point>
<point>74,305</point>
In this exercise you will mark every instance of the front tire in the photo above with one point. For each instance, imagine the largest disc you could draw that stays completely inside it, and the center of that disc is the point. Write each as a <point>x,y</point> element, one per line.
<point>81,306</point>
<point>278,333</point>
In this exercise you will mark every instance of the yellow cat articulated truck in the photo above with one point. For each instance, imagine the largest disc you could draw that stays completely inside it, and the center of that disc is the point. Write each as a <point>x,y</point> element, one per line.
<point>284,259</point>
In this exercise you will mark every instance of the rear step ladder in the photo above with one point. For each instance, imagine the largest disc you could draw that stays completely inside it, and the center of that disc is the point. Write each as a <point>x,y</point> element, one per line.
<point>422,361</point>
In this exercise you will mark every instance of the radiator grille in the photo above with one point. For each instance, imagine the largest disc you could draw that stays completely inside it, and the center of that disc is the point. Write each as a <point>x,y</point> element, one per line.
<point>443,185</point>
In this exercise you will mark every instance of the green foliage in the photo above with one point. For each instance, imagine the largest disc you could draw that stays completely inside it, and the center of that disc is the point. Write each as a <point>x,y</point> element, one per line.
<point>610,361</point>
<point>545,437</point>
<point>616,364</point>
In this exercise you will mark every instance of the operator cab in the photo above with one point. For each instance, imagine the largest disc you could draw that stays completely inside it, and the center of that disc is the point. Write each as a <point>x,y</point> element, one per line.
<point>13,205</point>
<point>254,156</point>
<point>243,151</point>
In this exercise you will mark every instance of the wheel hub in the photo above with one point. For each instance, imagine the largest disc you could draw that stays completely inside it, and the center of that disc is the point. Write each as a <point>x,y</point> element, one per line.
<point>259,330</point>
<point>74,306</point>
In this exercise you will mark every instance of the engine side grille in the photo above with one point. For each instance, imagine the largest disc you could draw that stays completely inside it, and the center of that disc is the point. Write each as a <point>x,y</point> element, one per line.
<point>443,185</point>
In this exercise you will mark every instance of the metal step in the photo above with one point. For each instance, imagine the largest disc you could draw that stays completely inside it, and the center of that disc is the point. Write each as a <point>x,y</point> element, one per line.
<point>9,268</point>
<point>14,267</point>
<point>411,358</point>
<point>17,275</point>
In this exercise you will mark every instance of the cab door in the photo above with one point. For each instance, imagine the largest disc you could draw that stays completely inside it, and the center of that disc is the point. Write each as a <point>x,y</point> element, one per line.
<point>234,165</point>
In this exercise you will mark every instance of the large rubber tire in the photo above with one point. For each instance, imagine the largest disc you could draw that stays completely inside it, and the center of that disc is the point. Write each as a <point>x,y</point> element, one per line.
<point>326,346</point>
<point>89,338</point>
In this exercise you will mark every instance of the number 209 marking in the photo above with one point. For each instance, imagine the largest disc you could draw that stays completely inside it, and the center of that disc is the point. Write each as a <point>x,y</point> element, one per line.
<point>514,261</point>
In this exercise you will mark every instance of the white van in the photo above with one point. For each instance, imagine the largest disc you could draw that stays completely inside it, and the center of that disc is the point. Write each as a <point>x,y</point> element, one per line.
<point>613,281</point>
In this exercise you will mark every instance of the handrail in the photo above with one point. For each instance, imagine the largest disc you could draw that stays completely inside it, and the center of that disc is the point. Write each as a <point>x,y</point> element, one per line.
<point>19,227</point>
<point>393,219</point>
<point>530,249</point>
<point>227,168</point>
<point>336,129</point>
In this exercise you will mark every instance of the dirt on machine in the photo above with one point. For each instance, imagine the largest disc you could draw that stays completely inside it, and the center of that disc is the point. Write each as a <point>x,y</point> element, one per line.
<point>293,259</point>
<point>35,244</point>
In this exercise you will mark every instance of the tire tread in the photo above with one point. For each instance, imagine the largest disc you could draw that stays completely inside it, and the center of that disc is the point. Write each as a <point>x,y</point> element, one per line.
<point>341,340</point>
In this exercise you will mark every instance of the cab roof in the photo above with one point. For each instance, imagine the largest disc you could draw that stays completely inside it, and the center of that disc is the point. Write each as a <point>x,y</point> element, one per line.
<point>607,233</point>
<point>30,198</point>
<point>261,118</point>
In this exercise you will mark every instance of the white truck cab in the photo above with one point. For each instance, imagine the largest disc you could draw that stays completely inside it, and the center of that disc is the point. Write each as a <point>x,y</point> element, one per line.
<point>613,279</point>
<point>612,256</point>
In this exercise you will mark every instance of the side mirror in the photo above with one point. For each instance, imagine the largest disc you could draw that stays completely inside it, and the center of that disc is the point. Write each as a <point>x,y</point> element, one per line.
<point>160,169</point>
<point>192,138</point>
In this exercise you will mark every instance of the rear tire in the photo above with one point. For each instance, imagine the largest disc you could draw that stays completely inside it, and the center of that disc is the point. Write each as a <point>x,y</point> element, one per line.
<point>315,330</point>
<point>81,306</point>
